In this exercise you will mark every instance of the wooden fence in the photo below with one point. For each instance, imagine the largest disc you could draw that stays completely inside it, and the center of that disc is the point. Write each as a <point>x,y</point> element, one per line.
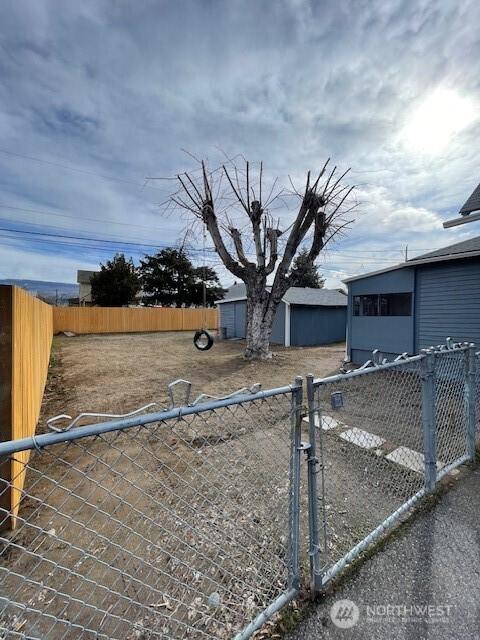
<point>26,329</point>
<point>127,320</point>
<point>27,326</point>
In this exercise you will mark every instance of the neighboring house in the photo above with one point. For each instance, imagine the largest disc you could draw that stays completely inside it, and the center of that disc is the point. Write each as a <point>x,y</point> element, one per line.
<point>85,288</point>
<point>416,304</point>
<point>305,317</point>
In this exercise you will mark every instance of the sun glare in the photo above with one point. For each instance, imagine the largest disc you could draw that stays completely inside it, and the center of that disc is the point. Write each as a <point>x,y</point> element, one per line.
<point>443,114</point>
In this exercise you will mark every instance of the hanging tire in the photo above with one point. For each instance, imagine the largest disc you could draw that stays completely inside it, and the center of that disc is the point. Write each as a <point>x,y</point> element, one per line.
<point>203,340</point>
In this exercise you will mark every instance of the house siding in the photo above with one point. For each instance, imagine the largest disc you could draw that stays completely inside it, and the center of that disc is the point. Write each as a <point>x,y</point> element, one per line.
<point>447,303</point>
<point>227,319</point>
<point>317,325</point>
<point>85,292</point>
<point>278,329</point>
<point>390,334</point>
<point>233,317</point>
<point>240,319</point>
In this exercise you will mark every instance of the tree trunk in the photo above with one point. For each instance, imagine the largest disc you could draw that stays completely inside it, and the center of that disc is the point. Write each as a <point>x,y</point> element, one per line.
<point>258,336</point>
<point>260,313</point>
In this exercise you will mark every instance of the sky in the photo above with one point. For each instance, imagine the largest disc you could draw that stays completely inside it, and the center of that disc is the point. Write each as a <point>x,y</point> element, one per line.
<point>95,97</point>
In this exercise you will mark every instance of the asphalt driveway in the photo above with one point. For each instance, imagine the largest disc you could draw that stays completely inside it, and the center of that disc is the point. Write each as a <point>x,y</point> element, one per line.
<point>423,585</point>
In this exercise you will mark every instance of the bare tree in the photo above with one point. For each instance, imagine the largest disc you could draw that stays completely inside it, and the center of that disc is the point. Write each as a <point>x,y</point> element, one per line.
<point>213,197</point>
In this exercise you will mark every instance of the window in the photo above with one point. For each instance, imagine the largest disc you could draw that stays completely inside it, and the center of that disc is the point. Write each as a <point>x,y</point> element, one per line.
<point>396,304</point>
<point>383,304</point>
<point>370,305</point>
<point>357,301</point>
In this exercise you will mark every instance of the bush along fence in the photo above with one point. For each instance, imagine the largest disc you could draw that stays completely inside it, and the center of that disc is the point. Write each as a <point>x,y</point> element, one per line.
<point>204,520</point>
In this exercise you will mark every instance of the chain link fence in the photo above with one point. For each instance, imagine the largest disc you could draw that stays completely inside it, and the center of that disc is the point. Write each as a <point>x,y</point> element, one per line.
<point>477,396</point>
<point>381,437</point>
<point>192,522</point>
<point>184,524</point>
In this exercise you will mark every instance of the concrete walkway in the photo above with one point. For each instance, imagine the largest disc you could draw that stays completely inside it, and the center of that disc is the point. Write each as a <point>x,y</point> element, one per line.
<point>423,585</point>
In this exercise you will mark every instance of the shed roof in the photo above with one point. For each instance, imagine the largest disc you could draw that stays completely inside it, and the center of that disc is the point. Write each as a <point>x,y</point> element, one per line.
<point>316,297</point>
<point>295,295</point>
<point>466,249</point>
<point>473,202</point>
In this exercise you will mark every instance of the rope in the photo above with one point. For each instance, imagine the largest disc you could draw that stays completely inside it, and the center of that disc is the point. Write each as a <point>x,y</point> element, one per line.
<point>204,277</point>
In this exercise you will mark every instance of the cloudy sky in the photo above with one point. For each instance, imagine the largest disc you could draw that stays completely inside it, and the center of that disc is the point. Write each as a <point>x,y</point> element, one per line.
<point>97,96</point>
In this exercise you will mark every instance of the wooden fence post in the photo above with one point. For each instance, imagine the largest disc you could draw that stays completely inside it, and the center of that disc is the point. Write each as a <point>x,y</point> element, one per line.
<point>6,337</point>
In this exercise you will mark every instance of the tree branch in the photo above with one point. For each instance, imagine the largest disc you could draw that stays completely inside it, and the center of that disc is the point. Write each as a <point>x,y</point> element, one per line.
<point>237,241</point>
<point>209,218</point>
<point>237,194</point>
<point>272,235</point>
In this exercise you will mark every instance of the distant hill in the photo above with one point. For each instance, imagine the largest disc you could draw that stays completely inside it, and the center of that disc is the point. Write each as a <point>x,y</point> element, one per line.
<point>45,288</point>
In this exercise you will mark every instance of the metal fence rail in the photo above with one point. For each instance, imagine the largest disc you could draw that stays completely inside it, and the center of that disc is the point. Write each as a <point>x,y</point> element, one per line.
<point>186,523</point>
<point>178,524</point>
<point>381,438</point>
<point>477,395</point>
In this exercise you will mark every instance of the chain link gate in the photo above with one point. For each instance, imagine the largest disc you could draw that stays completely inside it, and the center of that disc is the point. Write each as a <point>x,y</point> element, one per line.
<point>183,523</point>
<point>187,522</point>
<point>381,438</point>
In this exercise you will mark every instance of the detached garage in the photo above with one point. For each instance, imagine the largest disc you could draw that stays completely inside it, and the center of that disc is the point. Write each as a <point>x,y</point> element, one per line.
<point>305,317</point>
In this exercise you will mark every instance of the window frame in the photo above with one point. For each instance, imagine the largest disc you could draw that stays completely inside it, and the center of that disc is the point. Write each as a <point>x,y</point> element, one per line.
<point>358,307</point>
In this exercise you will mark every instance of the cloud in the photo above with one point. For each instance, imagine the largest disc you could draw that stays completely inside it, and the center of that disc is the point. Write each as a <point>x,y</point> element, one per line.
<point>15,262</point>
<point>108,93</point>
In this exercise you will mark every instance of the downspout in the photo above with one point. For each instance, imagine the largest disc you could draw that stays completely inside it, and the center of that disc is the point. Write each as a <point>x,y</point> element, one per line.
<point>414,311</point>
<point>287,324</point>
<point>348,356</point>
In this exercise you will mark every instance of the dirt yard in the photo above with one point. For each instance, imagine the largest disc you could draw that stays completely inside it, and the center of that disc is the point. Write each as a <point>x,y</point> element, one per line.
<point>118,373</point>
<point>172,531</point>
<point>180,529</point>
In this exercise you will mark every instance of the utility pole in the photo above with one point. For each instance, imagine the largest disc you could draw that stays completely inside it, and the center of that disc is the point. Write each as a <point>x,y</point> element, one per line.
<point>406,252</point>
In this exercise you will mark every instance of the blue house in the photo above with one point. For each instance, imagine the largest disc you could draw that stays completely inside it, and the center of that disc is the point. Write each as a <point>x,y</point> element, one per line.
<point>305,317</point>
<point>416,304</point>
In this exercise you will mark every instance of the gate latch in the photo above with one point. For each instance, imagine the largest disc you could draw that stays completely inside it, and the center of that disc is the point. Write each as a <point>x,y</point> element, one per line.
<point>305,447</point>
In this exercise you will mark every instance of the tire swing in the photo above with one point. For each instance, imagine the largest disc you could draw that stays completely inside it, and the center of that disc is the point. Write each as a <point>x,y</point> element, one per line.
<point>202,339</point>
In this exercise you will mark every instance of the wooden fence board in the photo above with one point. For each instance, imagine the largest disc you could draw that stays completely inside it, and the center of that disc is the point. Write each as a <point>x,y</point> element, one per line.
<point>27,326</point>
<point>26,339</point>
<point>131,320</point>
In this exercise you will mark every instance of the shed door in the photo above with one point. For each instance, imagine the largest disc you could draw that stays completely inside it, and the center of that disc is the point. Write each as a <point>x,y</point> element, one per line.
<point>240,319</point>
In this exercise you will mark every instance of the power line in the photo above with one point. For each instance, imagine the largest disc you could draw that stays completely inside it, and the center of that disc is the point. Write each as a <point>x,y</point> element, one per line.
<point>57,235</point>
<point>63,215</point>
<point>344,252</point>
<point>95,249</point>
<point>49,227</point>
<point>76,169</point>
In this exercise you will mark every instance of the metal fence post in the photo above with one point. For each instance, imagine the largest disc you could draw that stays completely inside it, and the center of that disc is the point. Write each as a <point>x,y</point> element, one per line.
<point>428,419</point>
<point>294,505</point>
<point>316,573</point>
<point>470,396</point>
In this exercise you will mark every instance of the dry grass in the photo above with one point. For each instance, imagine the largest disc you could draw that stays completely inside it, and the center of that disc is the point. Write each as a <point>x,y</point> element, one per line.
<point>175,530</point>
<point>122,372</point>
